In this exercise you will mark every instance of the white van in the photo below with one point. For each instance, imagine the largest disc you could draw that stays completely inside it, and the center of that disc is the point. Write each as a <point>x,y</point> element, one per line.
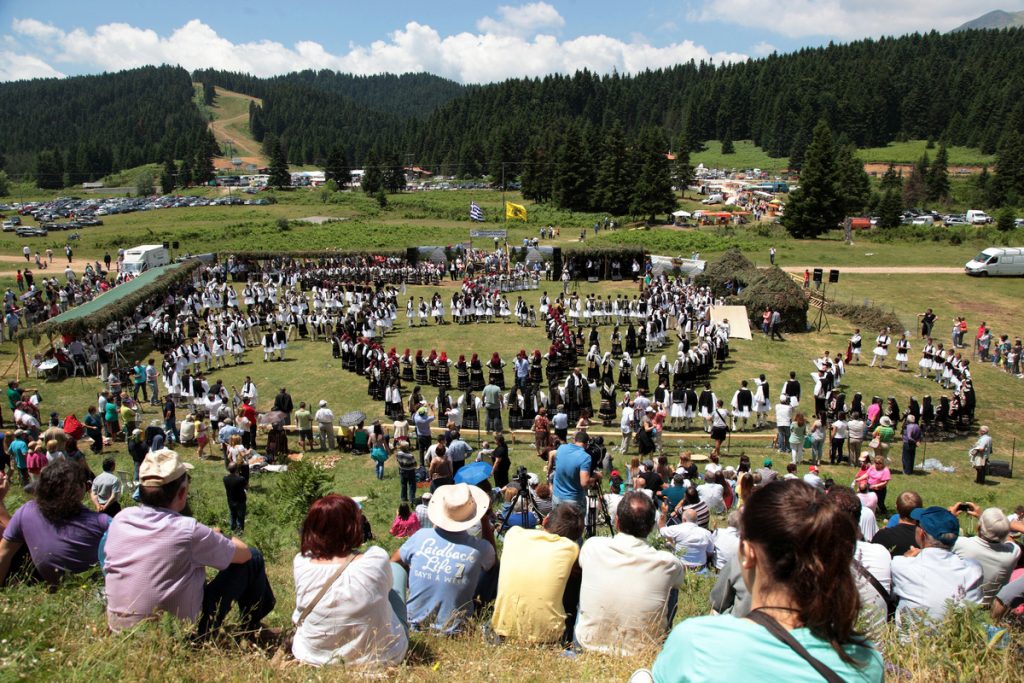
<point>1007,261</point>
<point>976,217</point>
<point>145,257</point>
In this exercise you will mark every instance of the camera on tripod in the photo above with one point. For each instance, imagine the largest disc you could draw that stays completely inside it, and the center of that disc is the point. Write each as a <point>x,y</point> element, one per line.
<point>522,477</point>
<point>597,452</point>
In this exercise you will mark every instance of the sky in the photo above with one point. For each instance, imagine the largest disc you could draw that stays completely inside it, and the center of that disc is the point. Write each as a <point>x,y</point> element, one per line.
<point>466,41</point>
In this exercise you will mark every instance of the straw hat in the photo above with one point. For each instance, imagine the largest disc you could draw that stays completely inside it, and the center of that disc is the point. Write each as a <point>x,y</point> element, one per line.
<point>457,507</point>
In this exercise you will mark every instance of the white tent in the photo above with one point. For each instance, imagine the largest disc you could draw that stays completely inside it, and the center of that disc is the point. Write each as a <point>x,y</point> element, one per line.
<point>681,214</point>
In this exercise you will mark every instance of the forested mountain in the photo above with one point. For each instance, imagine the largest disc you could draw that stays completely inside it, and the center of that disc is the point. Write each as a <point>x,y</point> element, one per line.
<point>406,95</point>
<point>101,123</point>
<point>963,88</point>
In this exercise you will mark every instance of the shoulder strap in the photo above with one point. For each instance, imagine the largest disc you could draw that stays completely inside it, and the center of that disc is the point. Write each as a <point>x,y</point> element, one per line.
<point>877,585</point>
<point>777,630</point>
<point>323,591</point>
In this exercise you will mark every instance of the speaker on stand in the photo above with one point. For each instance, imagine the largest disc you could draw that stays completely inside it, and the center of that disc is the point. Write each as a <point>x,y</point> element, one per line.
<point>556,257</point>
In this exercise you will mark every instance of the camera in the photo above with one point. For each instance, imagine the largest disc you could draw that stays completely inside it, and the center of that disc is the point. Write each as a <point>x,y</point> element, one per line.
<point>522,478</point>
<point>963,507</point>
<point>597,451</point>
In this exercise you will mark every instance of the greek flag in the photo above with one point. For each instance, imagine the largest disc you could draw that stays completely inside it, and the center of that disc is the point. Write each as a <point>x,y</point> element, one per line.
<point>476,213</point>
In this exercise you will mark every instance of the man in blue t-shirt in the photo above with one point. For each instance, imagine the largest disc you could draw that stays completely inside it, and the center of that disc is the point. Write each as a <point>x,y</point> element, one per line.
<point>573,472</point>
<point>445,564</point>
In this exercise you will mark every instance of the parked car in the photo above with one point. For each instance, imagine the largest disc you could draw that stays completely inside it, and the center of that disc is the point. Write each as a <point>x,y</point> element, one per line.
<point>29,231</point>
<point>8,226</point>
<point>997,261</point>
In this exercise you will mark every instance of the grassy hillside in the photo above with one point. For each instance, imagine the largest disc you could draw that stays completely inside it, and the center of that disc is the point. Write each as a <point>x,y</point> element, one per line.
<point>910,151</point>
<point>748,155</point>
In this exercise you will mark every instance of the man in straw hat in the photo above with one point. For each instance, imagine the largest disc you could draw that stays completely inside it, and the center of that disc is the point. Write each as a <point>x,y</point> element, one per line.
<point>447,566</point>
<point>156,558</point>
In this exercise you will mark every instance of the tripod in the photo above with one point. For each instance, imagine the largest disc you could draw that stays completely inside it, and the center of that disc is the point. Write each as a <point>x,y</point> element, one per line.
<point>595,505</point>
<point>523,502</point>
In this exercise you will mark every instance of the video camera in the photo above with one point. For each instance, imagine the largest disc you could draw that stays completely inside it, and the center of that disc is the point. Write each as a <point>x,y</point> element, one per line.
<point>597,451</point>
<point>522,477</point>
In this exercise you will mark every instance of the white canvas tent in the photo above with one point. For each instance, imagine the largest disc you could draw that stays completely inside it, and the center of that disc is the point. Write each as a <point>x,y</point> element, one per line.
<point>739,322</point>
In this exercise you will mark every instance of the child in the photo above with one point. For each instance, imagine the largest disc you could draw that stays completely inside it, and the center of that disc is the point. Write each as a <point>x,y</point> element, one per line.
<point>201,437</point>
<point>406,523</point>
<point>36,459</point>
<point>379,455</point>
<point>235,486</point>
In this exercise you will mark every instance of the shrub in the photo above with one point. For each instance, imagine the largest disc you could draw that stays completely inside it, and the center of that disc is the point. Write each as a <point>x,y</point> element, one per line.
<point>300,487</point>
<point>774,289</point>
<point>732,265</point>
<point>867,317</point>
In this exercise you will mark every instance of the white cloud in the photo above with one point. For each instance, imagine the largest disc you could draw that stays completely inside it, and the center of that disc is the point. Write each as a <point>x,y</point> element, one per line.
<point>17,67</point>
<point>511,46</point>
<point>762,49</point>
<point>846,19</point>
<point>525,20</point>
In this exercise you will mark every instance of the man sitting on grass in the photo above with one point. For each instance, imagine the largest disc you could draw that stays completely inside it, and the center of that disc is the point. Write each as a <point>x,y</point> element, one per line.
<point>156,559</point>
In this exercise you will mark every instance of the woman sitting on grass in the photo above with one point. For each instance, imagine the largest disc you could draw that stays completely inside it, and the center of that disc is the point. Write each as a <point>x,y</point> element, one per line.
<point>794,542</point>
<point>405,524</point>
<point>344,610</point>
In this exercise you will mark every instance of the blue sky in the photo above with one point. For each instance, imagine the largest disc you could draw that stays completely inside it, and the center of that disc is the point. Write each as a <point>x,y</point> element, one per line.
<point>462,40</point>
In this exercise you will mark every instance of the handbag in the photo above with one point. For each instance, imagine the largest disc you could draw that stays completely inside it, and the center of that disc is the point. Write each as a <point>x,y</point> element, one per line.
<point>875,443</point>
<point>288,637</point>
<point>808,441</point>
<point>777,630</point>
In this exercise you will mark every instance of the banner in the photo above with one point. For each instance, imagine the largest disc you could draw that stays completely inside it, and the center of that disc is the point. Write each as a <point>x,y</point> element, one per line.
<point>515,211</point>
<point>476,214</point>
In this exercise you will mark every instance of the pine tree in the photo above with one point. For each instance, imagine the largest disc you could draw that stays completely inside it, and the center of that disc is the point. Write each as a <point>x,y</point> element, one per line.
<point>854,183</point>
<point>890,209</point>
<point>891,179</point>
<point>47,177</point>
<point>185,173</point>
<point>817,206</point>
<point>573,172</point>
<point>373,176</point>
<point>5,184</point>
<point>394,175</point>
<point>167,177</point>
<point>727,145</point>
<point>208,94</point>
<point>1008,184</point>
<point>682,170</point>
<point>652,191</point>
<point>279,175</point>
<point>915,190</point>
<point>938,176</point>
<point>1004,220</point>
<point>537,173</point>
<point>337,168</point>
<point>612,185</point>
<point>256,127</point>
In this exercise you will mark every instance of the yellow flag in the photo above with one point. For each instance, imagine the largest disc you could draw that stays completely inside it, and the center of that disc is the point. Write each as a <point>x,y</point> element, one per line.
<point>515,211</point>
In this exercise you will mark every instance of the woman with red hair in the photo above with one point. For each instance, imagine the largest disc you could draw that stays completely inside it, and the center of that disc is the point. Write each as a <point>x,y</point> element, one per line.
<point>495,370</point>
<point>476,374</point>
<point>345,610</point>
<point>443,373</point>
<point>432,368</point>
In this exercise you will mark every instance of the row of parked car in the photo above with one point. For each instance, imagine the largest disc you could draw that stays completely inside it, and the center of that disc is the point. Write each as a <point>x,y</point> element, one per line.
<point>73,213</point>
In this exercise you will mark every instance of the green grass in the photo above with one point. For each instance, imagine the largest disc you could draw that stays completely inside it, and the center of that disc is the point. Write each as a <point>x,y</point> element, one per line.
<point>910,151</point>
<point>748,155</point>
<point>66,632</point>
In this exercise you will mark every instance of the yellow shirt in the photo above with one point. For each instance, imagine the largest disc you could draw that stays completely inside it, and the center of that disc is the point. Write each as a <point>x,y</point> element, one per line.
<point>535,566</point>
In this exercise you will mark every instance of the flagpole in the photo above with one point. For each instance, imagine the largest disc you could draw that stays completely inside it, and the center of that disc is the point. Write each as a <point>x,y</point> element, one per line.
<point>504,206</point>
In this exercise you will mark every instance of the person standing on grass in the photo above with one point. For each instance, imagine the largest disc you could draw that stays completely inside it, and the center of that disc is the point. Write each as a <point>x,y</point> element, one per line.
<point>304,423</point>
<point>980,453</point>
<point>911,438</point>
<point>325,426</point>
<point>422,420</point>
<point>156,559</point>
<point>406,471</point>
<point>236,485</point>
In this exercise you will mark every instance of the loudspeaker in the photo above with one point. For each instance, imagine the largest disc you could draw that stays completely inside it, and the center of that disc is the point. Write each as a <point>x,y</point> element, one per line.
<point>816,275</point>
<point>556,257</point>
<point>412,255</point>
<point>833,276</point>
<point>999,468</point>
<point>167,245</point>
<point>174,244</point>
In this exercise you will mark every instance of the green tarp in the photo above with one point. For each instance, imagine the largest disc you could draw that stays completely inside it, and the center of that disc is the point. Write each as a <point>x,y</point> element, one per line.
<point>112,296</point>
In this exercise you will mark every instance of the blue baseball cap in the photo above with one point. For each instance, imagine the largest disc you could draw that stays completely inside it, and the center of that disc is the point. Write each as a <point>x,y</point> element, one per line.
<point>937,522</point>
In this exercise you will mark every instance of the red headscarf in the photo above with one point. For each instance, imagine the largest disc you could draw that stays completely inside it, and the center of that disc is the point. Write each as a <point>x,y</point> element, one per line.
<point>462,358</point>
<point>474,359</point>
<point>419,353</point>
<point>495,358</point>
<point>444,357</point>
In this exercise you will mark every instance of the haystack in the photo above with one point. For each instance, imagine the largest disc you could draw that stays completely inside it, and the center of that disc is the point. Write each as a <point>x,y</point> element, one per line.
<point>731,266</point>
<point>773,289</point>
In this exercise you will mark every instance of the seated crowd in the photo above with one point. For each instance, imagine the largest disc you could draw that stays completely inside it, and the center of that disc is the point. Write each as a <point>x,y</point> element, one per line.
<point>778,541</point>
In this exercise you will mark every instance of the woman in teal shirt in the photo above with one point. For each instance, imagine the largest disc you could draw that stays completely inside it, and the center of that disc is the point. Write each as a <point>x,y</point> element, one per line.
<point>794,544</point>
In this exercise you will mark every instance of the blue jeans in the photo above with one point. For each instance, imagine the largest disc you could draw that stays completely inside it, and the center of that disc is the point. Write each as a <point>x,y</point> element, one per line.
<point>783,433</point>
<point>379,467</point>
<point>407,485</point>
<point>245,584</point>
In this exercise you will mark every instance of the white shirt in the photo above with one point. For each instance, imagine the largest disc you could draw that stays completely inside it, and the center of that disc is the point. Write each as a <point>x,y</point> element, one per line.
<point>692,544</point>
<point>928,582</point>
<point>324,416</point>
<point>878,562</point>
<point>840,430</point>
<point>783,415</point>
<point>714,496</point>
<point>814,480</point>
<point>868,523</point>
<point>353,622</point>
<point>626,423</point>
<point>727,545</point>
<point>623,593</point>
<point>997,561</point>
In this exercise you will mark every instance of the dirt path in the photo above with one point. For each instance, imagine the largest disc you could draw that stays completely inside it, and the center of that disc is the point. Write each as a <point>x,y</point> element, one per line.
<point>244,145</point>
<point>881,270</point>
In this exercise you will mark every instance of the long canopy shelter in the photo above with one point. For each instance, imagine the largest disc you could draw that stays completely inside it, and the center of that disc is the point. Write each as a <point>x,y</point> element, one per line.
<point>116,305</point>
